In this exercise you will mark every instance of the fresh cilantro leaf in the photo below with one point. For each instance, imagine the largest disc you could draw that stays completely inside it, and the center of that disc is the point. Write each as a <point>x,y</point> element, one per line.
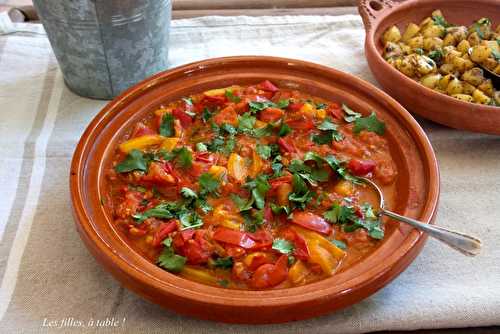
<point>340,244</point>
<point>278,209</point>
<point>253,219</point>
<point>264,151</point>
<point>321,105</point>
<point>202,204</point>
<point>350,221</point>
<point>167,125</point>
<point>340,214</point>
<point>167,242</point>
<point>163,210</point>
<point>241,203</point>
<point>327,125</point>
<point>263,131</point>
<point>229,128</point>
<point>284,130</point>
<point>171,261</point>
<point>282,104</point>
<point>283,246</point>
<point>495,54</point>
<point>256,106</point>
<point>206,114</point>
<point>134,161</point>
<point>184,157</point>
<point>299,186</point>
<point>229,146</point>
<point>209,184</point>
<point>188,193</point>
<point>223,283</point>
<point>217,144</point>
<point>370,123</point>
<point>259,187</point>
<point>419,51</point>
<point>188,100</point>
<point>440,21</point>
<point>190,219</point>
<point>231,97</point>
<point>246,123</point>
<point>201,147</point>
<point>351,114</point>
<point>291,260</point>
<point>436,55</point>
<point>224,262</point>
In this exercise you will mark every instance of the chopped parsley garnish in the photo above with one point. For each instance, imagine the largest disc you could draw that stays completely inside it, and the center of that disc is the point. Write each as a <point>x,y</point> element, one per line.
<point>440,21</point>
<point>351,221</point>
<point>206,114</point>
<point>369,123</point>
<point>328,134</point>
<point>201,147</point>
<point>340,244</point>
<point>256,106</point>
<point>258,188</point>
<point>301,195</point>
<point>283,246</point>
<point>184,157</point>
<point>284,130</point>
<point>246,123</point>
<point>351,115</point>
<point>209,184</point>
<point>135,160</point>
<point>264,151</point>
<point>171,261</point>
<point>223,262</point>
<point>231,97</point>
<point>282,104</point>
<point>167,125</point>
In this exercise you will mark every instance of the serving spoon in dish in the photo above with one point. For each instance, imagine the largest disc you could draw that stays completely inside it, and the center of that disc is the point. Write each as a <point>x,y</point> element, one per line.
<point>461,242</point>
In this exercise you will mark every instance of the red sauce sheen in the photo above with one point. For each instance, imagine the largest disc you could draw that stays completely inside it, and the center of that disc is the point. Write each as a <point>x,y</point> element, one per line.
<point>251,187</point>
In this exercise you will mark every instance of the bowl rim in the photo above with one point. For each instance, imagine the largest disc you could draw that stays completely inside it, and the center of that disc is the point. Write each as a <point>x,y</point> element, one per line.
<point>409,248</point>
<point>371,43</point>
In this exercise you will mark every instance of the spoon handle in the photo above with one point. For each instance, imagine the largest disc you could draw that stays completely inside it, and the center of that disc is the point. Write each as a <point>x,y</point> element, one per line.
<point>463,243</point>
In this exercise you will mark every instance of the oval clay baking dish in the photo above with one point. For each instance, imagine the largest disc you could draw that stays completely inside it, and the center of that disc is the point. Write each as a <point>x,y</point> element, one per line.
<point>378,15</point>
<point>418,190</point>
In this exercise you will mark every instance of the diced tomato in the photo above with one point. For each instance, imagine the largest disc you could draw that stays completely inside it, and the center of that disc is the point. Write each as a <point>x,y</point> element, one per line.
<point>361,167</point>
<point>142,130</point>
<point>206,157</point>
<point>158,174</point>
<point>235,251</point>
<point>255,260</point>
<point>295,106</point>
<point>163,231</point>
<point>226,115</point>
<point>268,275</point>
<point>240,272</point>
<point>311,221</point>
<point>301,251</point>
<point>198,168</point>
<point>270,115</point>
<point>263,239</point>
<point>268,214</point>
<point>286,145</point>
<point>184,118</point>
<point>194,253</point>
<point>301,124</point>
<point>130,205</point>
<point>275,183</point>
<point>335,110</point>
<point>268,86</point>
<point>216,100</point>
<point>234,237</point>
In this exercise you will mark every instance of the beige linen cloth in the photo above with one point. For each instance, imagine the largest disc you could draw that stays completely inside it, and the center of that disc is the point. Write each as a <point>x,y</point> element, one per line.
<point>51,284</point>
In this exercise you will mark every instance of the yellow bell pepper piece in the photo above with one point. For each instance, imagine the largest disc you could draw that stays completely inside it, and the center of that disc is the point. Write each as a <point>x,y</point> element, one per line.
<point>215,92</point>
<point>256,164</point>
<point>321,113</point>
<point>169,143</point>
<point>298,272</point>
<point>236,167</point>
<point>227,219</point>
<point>308,109</point>
<point>344,188</point>
<point>321,256</point>
<point>198,275</point>
<point>140,143</point>
<point>311,236</point>
<point>259,124</point>
<point>218,171</point>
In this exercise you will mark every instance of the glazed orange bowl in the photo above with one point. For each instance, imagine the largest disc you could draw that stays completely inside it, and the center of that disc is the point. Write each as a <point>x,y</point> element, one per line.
<point>416,186</point>
<point>379,15</point>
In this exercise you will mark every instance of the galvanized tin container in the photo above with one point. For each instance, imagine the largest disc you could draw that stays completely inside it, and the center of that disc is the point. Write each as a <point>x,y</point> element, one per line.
<point>105,46</point>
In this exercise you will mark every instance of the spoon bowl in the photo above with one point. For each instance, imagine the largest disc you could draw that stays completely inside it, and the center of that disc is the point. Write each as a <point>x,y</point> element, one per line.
<point>464,243</point>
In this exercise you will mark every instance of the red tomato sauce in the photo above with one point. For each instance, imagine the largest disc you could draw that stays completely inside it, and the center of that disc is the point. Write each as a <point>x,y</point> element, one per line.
<point>251,187</point>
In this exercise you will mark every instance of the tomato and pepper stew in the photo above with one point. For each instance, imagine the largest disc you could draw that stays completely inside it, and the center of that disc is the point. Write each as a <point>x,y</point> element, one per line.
<point>251,187</point>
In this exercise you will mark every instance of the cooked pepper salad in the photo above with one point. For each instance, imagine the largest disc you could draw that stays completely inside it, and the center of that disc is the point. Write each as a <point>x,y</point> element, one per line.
<point>251,187</point>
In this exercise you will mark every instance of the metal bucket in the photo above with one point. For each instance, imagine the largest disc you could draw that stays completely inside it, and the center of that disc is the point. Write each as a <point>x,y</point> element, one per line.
<point>105,46</point>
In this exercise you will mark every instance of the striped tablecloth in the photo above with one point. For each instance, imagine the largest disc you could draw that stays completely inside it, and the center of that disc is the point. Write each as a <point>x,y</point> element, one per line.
<point>50,283</point>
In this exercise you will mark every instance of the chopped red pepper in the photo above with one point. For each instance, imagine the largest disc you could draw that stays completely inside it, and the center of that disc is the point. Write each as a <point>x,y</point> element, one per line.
<point>268,275</point>
<point>267,86</point>
<point>163,231</point>
<point>361,167</point>
<point>311,221</point>
<point>234,237</point>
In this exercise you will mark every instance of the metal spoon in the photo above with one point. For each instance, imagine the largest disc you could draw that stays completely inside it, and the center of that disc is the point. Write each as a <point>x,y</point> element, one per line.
<point>495,78</point>
<point>463,243</point>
